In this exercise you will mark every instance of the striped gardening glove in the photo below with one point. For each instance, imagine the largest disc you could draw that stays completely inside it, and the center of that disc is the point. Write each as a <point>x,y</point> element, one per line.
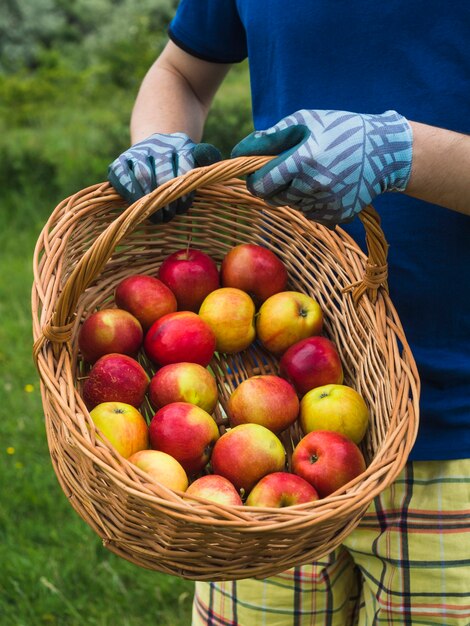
<point>331,164</point>
<point>154,161</point>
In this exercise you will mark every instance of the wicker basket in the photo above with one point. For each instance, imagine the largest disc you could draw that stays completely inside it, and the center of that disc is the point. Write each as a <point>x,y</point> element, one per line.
<point>90,243</point>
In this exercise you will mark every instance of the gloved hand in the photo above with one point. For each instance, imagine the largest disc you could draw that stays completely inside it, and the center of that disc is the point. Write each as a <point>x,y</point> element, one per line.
<point>157,159</point>
<point>331,164</point>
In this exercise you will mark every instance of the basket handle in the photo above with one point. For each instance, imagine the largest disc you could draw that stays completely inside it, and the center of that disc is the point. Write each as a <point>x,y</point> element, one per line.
<point>58,329</point>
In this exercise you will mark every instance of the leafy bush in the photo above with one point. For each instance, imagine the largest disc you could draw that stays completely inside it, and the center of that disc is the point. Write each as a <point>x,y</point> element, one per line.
<point>69,74</point>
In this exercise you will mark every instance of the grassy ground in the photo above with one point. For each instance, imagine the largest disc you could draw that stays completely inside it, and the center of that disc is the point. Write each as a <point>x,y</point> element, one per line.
<point>54,569</point>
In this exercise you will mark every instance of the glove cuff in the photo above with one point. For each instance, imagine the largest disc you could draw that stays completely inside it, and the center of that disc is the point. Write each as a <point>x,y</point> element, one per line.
<point>391,151</point>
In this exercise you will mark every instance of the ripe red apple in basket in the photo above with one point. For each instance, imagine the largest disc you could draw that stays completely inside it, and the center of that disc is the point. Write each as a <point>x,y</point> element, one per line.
<point>191,275</point>
<point>109,330</point>
<point>265,399</point>
<point>183,382</point>
<point>180,336</point>
<point>215,488</point>
<point>231,315</point>
<point>186,432</point>
<point>115,378</point>
<point>253,269</point>
<point>310,363</point>
<point>327,460</point>
<point>286,318</point>
<point>146,297</point>
<point>123,426</point>
<point>281,489</point>
<point>246,453</point>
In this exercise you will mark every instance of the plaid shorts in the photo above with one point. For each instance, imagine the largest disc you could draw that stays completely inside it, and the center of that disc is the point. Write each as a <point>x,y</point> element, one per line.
<point>407,563</point>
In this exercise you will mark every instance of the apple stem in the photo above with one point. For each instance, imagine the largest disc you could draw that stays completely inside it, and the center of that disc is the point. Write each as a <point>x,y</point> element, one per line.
<point>313,459</point>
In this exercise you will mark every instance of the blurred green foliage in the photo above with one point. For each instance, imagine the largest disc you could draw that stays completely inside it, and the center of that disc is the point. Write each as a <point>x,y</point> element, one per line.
<point>69,74</point>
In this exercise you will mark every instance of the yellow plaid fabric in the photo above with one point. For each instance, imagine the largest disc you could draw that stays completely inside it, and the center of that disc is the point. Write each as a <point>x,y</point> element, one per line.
<point>407,564</point>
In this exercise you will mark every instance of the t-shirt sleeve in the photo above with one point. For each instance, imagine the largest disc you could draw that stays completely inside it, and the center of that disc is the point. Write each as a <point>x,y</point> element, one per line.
<point>210,30</point>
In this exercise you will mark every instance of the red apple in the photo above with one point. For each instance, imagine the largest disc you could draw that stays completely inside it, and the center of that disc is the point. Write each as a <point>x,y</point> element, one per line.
<point>183,382</point>
<point>335,407</point>
<point>310,363</point>
<point>180,336</point>
<point>122,425</point>
<point>215,488</point>
<point>231,314</point>
<point>109,330</point>
<point>161,467</point>
<point>186,432</point>
<point>191,275</point>
<point>265,399</point>
<point>146,297</point>
<point>327,460</point>
<point>246,453</point>
<point>253,269</point>
<point>115,378</point>
<point>286,318</point>
<point>281,489</point>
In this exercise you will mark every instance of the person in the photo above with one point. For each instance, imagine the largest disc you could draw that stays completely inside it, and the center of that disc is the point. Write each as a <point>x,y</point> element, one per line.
<point>359,102</point>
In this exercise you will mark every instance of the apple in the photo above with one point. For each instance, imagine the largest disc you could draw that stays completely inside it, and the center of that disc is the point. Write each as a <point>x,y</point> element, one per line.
<point>230,313</point>
<point>327,460</point>
<point>161,467</point>
<point>146,297</point>
<point>186,432</point>
<point>286,318</point>
<point>246,453</point>
<point>180,336</point>
<point>115,378</point>
<point>191,275</point>
<point>281,489</point>
<point>264,399</point>
<point>109,330</point>
<point>183,382</point>
<point>310,363</point>
<point>123,426</point>
<point>253,269</point>
<point>335,407</point>
<point>215,488</point>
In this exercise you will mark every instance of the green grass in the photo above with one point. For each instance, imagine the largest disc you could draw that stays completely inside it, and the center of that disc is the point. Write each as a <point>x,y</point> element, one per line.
<point>54,569</point>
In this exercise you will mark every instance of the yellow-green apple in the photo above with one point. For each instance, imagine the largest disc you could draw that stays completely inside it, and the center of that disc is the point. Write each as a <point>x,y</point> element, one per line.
<point>146,297</point>
<point>122,425</point>
<point>281,489</point>
<point>246,453</point>
<point>183,382</point>
<point>186,432</point>
<point>116,378</point>
<point>286,318</point>
<point>215,488</point>
<point>310,363</point>
<point>253,269</point>
<point>180,336</point>
<point>230,313</point>
<point>162,467</point>
<point>335,407</point>
<point>264,399</point>
<point>327,460</point>
<point>191,275</point>
<point>109,330</point>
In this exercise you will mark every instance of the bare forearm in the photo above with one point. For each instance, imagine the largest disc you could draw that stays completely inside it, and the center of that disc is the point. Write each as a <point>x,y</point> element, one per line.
<point>175,95</point>
<point>440,171</point>
<point>166,104</point>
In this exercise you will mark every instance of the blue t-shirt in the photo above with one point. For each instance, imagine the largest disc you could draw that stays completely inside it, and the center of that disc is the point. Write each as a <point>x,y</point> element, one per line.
<point>369,57</point>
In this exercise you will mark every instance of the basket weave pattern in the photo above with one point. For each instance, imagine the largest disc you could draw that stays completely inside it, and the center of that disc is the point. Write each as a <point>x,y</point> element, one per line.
<point>91,242</point>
